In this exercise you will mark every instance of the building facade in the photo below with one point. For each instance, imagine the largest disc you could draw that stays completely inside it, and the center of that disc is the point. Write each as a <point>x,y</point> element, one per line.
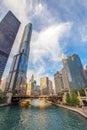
<point>51,88</point>
<point>58,82</point>
<point>65,80</point>
<point>44,85</point>
<point>17,74</point>
<point>3,84</point>
<point>75,72</point>
<point>8,30</point>
<point>86,71</point>
<point>30,86</point>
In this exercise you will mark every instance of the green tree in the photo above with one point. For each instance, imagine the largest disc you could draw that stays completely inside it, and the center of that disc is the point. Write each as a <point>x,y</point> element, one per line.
<point>74,99</point>
<point>3,98</point>
<point>75,91</point>
<point>68,99</point>
<point>82,92</point>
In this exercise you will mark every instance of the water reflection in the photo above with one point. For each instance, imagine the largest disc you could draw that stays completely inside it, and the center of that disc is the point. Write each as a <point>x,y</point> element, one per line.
<point>40,103</point>
<point>40,115</point>
<point>9,118</point>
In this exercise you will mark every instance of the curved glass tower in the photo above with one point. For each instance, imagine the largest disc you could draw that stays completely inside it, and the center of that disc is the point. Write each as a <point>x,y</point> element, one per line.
<point>17,74</point>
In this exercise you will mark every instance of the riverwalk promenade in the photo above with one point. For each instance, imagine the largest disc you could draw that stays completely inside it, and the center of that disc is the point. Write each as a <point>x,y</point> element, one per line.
<point>81,111</point>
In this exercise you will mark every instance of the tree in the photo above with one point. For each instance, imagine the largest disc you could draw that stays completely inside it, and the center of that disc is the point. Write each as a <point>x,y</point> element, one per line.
<point>82,92</point>
<point>3,98</point>
<point>75,91</point>
<point>74,99</point>
<point>68,99</point>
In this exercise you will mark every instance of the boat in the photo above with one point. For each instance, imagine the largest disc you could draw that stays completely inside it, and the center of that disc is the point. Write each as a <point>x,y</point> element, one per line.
<point>24,103</point>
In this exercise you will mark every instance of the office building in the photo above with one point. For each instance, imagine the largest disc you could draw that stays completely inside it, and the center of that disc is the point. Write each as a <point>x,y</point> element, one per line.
<point>50,87</point>
<point>30,86</point>
<point>3,84</point>
<point>44,85</point>
<point>65,80</point>
<point>8,30</point>
<point>58,82</point>
<point>17,74</point>
<point>86,71</point>
<point>75,74</point>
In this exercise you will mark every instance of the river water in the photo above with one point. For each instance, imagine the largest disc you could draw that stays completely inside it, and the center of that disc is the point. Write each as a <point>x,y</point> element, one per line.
<point>40,115</point>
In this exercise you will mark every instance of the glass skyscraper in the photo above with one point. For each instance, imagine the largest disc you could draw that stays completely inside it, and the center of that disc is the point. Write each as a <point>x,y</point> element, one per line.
<point>8,30</point>
<point>75,72</point>
<point>17,74</point>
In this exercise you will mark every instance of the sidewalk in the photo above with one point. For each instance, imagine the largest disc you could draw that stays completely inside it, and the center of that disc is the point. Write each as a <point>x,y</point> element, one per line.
<point>2,105</point>
<point>75,109</point>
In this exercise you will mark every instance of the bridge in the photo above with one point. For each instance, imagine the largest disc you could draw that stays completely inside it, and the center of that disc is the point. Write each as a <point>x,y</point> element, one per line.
<point>18,98</point>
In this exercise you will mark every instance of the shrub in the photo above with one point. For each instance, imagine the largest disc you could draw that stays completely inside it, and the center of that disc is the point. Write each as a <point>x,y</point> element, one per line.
<point>3,98</point>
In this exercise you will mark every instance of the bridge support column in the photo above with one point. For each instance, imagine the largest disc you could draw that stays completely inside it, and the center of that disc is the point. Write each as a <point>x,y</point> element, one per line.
<point>9,95</point>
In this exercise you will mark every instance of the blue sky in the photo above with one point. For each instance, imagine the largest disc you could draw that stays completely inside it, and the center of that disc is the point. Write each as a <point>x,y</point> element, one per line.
<point>59,26</point>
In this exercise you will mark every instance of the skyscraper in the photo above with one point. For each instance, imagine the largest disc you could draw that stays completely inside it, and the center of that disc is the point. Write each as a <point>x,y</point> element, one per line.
<point>17,74</point>
<point>50,87</point>
<point>8,30</point>
<point>58,82</point>
<point>30,86</point>
<point>86,70</point>
<point>44,85</point>
<point>75,72</point>
<point>65,80</point>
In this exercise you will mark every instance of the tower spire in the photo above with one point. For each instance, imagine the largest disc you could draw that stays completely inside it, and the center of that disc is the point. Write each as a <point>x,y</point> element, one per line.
<point>63,56</point>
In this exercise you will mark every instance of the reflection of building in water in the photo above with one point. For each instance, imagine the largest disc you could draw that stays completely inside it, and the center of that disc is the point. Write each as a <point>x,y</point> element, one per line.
<point>7,121</point>
<point>40,103</point>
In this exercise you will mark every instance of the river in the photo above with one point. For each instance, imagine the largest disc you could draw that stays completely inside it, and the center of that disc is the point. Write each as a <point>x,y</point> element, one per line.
<point>40,115</point>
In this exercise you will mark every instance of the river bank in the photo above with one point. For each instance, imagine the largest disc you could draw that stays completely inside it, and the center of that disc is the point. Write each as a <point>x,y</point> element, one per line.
<point>3,105</point>
<point>75,109</point>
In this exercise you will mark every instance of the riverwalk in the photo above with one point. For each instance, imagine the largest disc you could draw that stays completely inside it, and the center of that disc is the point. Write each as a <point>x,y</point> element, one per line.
<point>75,109</point>
<point>5,104</point>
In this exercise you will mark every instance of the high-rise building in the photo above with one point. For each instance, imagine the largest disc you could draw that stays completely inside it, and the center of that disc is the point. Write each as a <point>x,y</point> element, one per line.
<point>58,82</point>
<point>8,30</point>
<point>30,86</point>
<point>3,84</point>
<point>44,85</point>
<point>65,80</point>
<point>50,87</point>
<point>37,90</point>
<point>86,70</point>
<point>75,72</point>
<point>17,74</point>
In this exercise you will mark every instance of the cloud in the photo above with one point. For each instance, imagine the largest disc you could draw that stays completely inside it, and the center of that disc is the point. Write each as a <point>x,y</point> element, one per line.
<point>46,48</point>
<point>83,34</point>
<point>46,43</point>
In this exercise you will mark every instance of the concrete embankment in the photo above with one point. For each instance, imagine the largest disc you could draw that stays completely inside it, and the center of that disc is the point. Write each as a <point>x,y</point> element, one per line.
<point>3,105</point>
<point>75,109</point>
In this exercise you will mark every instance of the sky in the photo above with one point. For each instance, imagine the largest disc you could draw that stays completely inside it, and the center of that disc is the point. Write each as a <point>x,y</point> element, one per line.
<point>59,26</point>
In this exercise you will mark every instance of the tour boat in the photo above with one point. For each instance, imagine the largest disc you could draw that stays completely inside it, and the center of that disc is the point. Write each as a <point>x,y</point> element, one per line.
<point>24,103</point>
